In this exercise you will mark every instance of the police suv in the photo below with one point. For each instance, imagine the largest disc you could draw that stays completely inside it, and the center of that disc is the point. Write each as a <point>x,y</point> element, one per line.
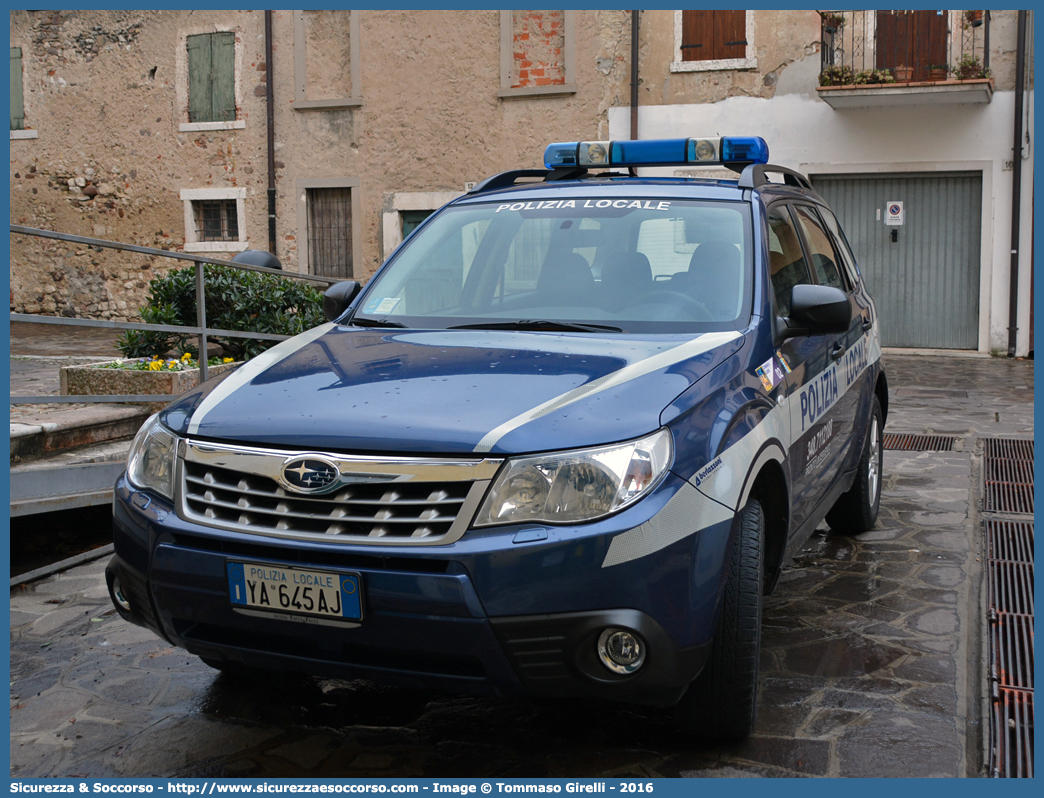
<point>561,444</point>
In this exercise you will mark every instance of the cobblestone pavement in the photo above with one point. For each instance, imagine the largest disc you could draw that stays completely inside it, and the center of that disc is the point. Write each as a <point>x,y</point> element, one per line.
<point>872,659</point>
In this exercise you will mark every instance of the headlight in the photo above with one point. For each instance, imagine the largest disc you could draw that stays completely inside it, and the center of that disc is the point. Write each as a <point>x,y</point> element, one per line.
<point>150,463</point>
<point>567,487</point>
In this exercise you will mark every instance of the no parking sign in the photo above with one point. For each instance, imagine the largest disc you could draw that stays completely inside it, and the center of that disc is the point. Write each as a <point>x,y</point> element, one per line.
<point>894,213</point>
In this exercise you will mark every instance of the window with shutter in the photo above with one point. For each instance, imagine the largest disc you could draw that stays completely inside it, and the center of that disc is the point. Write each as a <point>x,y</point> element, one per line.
<point>17,105</point>
<point>713,35</point>
<point>212,85</point>
<point>706,40</point>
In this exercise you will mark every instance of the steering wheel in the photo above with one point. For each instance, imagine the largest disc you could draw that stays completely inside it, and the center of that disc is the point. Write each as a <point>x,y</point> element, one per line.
<point>673,298</point>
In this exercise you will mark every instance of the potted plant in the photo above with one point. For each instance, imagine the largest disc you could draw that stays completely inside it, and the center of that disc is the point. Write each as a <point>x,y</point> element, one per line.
<point>972,19</point>
<point>873,76</point>
<point>903,73</point>
<point>835,75</point>
<point>938,71</point>
<point>970,68</point>
<point>832,21</point>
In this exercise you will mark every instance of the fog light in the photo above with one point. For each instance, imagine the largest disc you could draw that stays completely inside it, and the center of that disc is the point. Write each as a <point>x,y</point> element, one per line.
<point>621,651</point>
<point>118,597</point>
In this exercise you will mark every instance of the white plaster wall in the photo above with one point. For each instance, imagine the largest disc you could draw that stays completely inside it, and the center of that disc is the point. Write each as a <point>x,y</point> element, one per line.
<point>806,134</point>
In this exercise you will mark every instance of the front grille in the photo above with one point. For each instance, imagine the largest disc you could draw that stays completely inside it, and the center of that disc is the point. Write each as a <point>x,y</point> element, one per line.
<point>394,501</point>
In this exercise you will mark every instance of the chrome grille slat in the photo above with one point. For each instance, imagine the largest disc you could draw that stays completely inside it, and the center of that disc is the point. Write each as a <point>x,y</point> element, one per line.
<point>358,519</point>
<point>397,501</point>
<point>281,493</point>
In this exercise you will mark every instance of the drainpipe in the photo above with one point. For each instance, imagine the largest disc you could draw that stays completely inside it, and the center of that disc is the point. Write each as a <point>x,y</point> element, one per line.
<point>1016,187</point>
<point>269,102</point>
<point>634,75</point>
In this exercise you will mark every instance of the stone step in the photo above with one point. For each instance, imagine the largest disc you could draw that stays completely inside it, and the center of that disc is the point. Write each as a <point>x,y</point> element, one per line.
<point>38,435</point>
<point>81,477</point>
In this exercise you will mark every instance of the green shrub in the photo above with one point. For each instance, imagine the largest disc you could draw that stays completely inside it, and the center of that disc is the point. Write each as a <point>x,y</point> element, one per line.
<point>235,300</point>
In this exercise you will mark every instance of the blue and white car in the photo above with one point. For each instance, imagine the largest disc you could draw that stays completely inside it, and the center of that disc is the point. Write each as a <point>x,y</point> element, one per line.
<point>561,444</point>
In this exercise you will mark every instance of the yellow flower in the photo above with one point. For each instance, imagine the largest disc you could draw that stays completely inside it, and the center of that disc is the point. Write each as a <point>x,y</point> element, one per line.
<point>155,365</point>
<point>227,360</point>
<point>186,356</point>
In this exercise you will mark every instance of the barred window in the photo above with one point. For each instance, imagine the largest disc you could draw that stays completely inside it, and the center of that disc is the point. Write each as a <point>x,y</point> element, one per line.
<point>216,220</point>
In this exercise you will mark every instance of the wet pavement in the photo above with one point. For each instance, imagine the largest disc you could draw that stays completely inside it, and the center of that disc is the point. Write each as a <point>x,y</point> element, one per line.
<point>38,351</point>
<point>872,661</point>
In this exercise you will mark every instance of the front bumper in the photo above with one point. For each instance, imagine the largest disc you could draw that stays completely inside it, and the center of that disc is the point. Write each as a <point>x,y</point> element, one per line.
<point>506,611</point>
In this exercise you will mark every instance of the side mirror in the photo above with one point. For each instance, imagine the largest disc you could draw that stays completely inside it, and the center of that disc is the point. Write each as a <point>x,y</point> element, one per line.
<point>257,257</point>
<point>817,310</point>
<point>338,298</point>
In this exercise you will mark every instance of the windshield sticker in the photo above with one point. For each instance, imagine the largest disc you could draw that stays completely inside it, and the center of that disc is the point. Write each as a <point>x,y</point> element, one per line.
<point>783,361</point>
<point>382,304</point>
<point>769,373</point>
<point>540,205</point>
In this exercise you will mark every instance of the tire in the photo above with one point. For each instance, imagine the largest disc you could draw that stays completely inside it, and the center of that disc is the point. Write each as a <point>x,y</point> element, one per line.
<point>856,510</point>
<point>721,704</point>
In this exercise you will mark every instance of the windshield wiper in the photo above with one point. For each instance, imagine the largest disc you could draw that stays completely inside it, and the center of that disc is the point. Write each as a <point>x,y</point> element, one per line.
<point>358,322</point>
<point>538,324</point>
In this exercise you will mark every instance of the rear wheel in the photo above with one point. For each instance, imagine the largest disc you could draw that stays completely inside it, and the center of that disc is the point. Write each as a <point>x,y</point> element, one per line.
<point>856,510</point>
<point>721,703</point>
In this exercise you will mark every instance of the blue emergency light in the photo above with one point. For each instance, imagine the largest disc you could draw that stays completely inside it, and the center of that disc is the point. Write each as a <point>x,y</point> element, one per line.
<point>658,152</point>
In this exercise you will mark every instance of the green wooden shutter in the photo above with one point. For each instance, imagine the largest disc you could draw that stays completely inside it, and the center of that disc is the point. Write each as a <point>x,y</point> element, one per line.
<point>223,76</point>
<point>17,105</point>
<point>212,85</point>
<point>200,103</point>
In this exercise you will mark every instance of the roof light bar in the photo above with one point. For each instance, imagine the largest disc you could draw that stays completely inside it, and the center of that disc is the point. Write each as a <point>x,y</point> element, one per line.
<point>658,152</point>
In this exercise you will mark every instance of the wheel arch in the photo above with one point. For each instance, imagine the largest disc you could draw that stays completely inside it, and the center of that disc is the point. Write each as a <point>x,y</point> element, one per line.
<point>767,481</point>
<point>881,391</point>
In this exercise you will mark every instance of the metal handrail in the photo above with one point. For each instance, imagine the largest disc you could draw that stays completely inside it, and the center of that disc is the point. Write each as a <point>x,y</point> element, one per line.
<point>201,330</point>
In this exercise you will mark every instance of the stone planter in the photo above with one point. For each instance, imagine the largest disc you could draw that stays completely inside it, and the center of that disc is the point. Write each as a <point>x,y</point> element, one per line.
<point>92,379</point>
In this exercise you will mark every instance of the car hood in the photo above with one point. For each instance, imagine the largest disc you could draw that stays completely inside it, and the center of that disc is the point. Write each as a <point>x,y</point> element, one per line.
<point>449,391</point>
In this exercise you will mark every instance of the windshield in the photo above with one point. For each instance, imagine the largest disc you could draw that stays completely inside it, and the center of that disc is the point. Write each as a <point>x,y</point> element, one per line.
<point>641,265</point>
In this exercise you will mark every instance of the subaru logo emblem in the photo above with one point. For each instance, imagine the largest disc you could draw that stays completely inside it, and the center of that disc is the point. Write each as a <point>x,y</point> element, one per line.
<point>310,474</point>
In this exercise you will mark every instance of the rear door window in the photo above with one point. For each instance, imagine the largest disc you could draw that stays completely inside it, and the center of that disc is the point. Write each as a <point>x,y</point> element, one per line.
<point>820,248</point>
<point>787,263</point>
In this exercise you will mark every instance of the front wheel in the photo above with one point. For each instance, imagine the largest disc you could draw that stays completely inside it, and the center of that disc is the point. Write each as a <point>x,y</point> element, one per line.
<point>721,704</point>
<point>856,510</point>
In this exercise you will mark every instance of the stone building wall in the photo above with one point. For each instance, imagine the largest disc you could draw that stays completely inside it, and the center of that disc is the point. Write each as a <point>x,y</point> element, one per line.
<point>106,94</point>
<point>402,107</point>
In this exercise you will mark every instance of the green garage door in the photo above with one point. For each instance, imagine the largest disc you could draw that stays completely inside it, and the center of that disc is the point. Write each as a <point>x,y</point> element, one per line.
<point>925,280</point>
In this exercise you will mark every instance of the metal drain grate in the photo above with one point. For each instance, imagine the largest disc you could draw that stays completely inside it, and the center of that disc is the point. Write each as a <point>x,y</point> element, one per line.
<point>1008,469</point>
<point>1005,497</point>
<point>1008,448</point>
<point>1011,734</point>
<point>1009,540</point>
<point>1008,472</point>
<point>907,442</point>
<point>999,470</point>
<point>931,393</point>
<point>1011,650</point>
<point>1011,587</point>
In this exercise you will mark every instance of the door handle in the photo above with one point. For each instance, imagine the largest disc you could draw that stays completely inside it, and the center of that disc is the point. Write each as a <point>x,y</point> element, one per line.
<point>837,351</point>
<point>867,324</point>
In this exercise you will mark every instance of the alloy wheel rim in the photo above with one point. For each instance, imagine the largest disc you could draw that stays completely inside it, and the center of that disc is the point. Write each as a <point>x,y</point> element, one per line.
<point>873,466</point>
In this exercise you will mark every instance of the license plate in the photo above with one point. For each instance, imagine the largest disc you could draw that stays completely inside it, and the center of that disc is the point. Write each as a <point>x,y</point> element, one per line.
<point>295,591</point>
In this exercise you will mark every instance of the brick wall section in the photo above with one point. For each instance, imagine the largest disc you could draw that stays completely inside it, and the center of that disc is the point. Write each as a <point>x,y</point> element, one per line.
<point>539,46</point>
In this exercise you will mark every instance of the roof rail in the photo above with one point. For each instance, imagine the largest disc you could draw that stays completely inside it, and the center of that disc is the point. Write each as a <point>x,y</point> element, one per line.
<point>756,175</point>
<point>506,179</point>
